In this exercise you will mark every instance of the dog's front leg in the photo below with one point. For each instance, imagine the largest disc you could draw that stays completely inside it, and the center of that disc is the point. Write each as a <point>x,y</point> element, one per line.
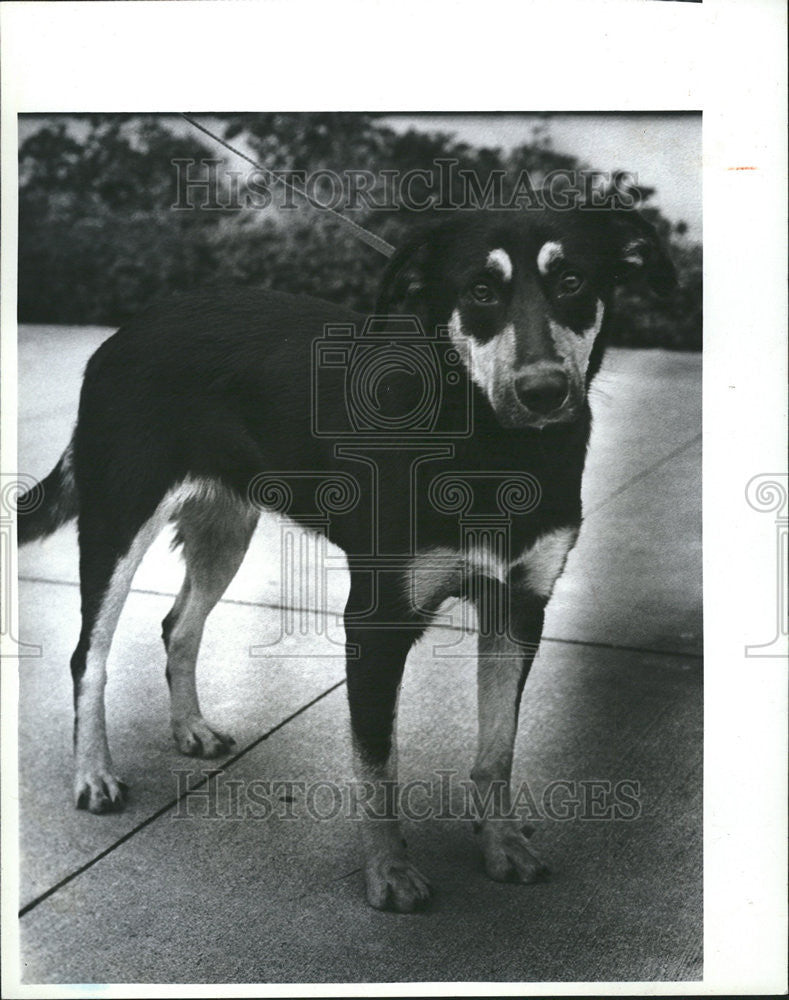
<point>376,658</point>
<point>510,626</point>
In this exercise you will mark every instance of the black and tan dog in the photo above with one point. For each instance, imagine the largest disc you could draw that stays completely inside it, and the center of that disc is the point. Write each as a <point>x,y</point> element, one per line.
<point>185,408</point>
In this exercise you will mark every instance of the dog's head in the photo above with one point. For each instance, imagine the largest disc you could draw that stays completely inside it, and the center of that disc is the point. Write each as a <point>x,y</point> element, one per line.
<point>525,294</point>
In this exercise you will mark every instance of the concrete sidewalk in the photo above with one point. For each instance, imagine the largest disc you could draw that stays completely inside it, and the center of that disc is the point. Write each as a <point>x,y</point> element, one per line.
<point>156,895</point>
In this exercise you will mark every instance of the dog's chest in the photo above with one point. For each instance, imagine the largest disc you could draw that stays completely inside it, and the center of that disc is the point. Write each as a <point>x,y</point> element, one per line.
<point>441,572</point>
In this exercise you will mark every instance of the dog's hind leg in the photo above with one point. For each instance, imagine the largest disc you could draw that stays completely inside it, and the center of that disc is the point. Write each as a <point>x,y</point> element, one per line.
<point>106,574</point>
<point>215,532</point>
<point>174,613</point>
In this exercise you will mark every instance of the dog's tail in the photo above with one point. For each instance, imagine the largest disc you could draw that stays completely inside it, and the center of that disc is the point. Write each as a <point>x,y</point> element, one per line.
<point>49,504</point>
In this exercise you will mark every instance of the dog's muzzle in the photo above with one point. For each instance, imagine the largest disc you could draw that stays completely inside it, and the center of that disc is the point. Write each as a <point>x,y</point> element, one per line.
<point>540,396</point>
<point>543,392</point>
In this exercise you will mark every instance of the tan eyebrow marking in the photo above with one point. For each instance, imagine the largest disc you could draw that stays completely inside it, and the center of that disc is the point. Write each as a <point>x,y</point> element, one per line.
<point>499,260</point>
<point>549,252</point>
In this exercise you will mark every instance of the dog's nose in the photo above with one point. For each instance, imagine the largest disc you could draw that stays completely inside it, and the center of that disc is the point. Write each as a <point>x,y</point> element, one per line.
<point>542,392</point>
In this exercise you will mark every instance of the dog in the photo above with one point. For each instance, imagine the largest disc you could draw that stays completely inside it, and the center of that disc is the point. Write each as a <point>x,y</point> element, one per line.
<point>465,396</point>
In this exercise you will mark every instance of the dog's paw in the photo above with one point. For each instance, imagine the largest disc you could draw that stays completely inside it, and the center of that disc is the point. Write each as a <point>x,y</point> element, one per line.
<point>195,738</point>
<point>395,884</point>
<point>99,792</point>
<point>506,853</point>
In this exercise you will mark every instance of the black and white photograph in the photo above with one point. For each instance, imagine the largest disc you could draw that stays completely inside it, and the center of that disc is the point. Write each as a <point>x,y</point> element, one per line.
<point>361,598</point>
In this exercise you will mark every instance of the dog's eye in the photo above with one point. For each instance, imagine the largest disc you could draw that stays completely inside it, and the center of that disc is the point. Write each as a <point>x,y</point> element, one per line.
<point>570,283</point>
<point>482,292</point>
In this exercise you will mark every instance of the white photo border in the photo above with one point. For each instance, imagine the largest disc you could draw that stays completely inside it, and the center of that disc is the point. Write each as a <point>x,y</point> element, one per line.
<point>723,57</point>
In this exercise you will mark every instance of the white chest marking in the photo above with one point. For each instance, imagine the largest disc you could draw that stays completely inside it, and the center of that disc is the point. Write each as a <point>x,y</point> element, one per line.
<point>544,561</point>
<point>435,574</point>
<point>499,260</point>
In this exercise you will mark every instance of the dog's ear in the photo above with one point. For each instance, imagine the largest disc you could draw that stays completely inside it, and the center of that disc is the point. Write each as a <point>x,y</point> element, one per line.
<point>640,253</point>
<point>403,287</point>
